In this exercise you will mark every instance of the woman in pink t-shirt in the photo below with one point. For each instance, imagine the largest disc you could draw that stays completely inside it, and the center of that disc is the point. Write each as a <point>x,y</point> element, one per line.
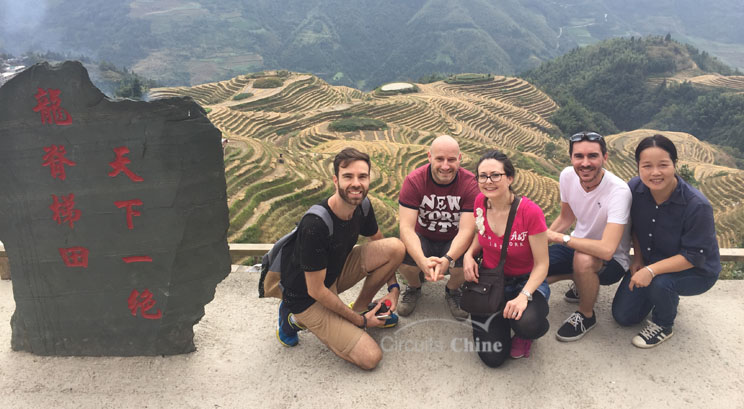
<point>526,264</point>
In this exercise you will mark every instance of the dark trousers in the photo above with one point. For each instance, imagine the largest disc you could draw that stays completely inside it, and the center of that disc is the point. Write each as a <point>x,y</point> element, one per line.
<point>662,295</point>
<point>492,333</point>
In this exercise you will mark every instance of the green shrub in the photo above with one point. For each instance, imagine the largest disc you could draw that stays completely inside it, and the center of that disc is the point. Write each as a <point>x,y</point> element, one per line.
<point>242,95</point>
<point>732,271</point>
<point>428,79</point>
<point>468,78</point>
<point>356,124</point>
<point>268,82</point>
<point>688,175</point>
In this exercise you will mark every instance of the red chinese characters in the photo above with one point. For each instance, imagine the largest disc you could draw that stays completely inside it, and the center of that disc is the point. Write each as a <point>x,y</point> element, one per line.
<point>137,301</point>
<point>48,105</point>
<point>63,207</point>
<point>120,164</point>
<point>56,160</point>
<point>63,211</point>
<point>143,302</point>
<point>137,259</point>
<point>130,212</point>
<point>75,256</point>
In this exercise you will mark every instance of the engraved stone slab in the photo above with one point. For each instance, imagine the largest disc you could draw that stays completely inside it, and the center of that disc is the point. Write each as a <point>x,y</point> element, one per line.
<point>113,214</point>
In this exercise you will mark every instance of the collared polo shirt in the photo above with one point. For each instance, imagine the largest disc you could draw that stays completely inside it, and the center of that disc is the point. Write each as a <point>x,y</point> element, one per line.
<point>683,224</point>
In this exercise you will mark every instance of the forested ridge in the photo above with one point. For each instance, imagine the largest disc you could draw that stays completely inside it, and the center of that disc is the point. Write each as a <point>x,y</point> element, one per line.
<point>630,83</point>
<point>358,43</point>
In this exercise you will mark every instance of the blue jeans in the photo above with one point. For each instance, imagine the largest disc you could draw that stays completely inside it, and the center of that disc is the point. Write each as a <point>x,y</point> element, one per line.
<point>662,295</point>
<point>561,262</point>
<point>511,290</point>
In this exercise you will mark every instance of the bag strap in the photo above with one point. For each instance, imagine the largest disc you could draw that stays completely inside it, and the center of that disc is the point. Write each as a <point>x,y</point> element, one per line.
<point>507,230</point>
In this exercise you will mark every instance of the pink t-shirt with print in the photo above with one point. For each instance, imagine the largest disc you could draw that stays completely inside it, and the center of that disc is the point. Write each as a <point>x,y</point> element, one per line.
<point>528,221</point>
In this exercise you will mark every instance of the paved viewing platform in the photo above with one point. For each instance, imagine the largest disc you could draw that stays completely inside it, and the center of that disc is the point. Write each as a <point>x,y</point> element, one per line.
<point>240,364</point>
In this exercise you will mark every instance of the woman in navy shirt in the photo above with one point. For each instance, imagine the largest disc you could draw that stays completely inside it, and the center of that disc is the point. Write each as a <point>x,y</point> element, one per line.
<point>674,243</point>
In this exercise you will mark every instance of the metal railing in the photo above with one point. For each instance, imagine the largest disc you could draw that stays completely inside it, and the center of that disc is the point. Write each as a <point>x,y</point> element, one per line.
<point>241,250</point>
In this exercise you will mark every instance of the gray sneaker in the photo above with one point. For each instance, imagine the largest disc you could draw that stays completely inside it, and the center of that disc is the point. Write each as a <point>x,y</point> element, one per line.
<point>453,298</point>
<point>408,303</point>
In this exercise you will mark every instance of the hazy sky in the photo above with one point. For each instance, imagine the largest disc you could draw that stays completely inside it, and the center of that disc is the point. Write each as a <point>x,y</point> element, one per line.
<point>20,15</point>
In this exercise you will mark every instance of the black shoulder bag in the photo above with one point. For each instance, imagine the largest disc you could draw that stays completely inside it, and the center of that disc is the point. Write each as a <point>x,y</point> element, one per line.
<point>487,295</point>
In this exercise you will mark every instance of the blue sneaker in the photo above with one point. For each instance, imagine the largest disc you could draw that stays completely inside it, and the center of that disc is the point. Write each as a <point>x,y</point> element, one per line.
<point>392,321</point>
<point>286,332</point>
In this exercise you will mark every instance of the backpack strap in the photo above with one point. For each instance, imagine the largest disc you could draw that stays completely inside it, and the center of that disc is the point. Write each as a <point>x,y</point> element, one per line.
<point>272,261</point>
<point>366,205</point>
<point>324,214</point>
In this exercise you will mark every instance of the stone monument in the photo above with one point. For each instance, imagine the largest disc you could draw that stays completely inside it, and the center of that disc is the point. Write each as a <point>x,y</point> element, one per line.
<point>113,215</point>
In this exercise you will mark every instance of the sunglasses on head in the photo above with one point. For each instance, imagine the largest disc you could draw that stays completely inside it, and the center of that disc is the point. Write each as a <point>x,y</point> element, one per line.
<point>589,136</point>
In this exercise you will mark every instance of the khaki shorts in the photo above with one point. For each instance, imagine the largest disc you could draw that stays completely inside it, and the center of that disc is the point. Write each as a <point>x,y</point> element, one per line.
<point>339,334</point>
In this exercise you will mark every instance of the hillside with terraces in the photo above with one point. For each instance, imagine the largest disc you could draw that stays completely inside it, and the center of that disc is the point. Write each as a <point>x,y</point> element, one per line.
<point>731,83</point>
<point>279,158</point>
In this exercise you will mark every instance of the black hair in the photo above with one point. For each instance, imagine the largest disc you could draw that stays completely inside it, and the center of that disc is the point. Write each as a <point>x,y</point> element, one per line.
<point>501,157</point>
<point>659,141</point>
<point>348,155</point>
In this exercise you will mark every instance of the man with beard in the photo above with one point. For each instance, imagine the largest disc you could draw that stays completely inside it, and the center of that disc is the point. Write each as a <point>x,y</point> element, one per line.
<point>596,252</point>
<point>323,264</point>
<point>437,224</point>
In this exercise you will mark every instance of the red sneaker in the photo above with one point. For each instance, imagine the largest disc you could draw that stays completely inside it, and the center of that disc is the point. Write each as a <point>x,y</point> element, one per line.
<point>520,348</point>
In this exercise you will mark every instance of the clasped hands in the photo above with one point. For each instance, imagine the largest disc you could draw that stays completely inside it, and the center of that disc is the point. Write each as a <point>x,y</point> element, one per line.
<point>434,268</point>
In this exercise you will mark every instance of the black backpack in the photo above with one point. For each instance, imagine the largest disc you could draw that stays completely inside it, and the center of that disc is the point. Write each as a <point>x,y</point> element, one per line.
<point>272,261</point>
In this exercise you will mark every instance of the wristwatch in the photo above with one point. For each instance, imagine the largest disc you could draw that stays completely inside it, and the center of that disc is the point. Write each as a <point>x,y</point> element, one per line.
<point>527,293</point>
<point>451,260</point>
<point>566,239</point>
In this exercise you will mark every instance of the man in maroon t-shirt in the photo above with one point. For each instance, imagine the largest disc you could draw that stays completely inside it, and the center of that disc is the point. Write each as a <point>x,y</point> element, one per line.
<point>436,223</point>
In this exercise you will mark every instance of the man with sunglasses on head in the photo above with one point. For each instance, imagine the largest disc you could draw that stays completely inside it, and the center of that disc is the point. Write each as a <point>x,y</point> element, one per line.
<point>596,252</point>
<point>437,224</point>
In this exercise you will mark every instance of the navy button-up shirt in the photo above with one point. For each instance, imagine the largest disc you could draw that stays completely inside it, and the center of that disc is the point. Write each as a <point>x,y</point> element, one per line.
<point>683,224</point>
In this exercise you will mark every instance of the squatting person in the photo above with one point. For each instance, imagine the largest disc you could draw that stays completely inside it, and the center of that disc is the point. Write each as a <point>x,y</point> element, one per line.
<point>322,264</point>
<point>675,250</point>
<point>597,251</point>
<point>525,268</point>
<point>436,223</point>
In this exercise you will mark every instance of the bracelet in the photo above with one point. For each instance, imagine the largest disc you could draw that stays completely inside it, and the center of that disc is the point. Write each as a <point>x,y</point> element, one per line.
<point>364,325</point>
<point>651,271</point>
<point>394,285</point>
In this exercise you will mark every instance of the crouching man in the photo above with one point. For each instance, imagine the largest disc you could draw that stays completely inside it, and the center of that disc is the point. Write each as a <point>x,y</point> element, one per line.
<point>322,264</point>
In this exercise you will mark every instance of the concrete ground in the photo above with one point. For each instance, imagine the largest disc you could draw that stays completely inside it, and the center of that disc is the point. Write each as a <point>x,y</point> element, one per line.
<point>240,364</point>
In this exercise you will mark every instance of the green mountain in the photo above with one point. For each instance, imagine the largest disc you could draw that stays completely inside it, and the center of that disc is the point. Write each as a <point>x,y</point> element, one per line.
<point>361,43</point>
<point>651,82</point>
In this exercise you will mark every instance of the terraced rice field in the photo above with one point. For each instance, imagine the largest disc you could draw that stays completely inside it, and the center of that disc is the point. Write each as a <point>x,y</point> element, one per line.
<point>205,94</point>
<point>279,160</point>
<point>734,82</point>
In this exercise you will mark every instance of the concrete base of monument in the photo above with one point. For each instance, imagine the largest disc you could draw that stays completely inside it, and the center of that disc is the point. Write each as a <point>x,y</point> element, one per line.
<point>427,362</point>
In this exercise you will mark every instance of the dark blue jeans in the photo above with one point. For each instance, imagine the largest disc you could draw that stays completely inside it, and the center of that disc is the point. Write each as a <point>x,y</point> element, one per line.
<point>561,262</point>
<point>662,295</point>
